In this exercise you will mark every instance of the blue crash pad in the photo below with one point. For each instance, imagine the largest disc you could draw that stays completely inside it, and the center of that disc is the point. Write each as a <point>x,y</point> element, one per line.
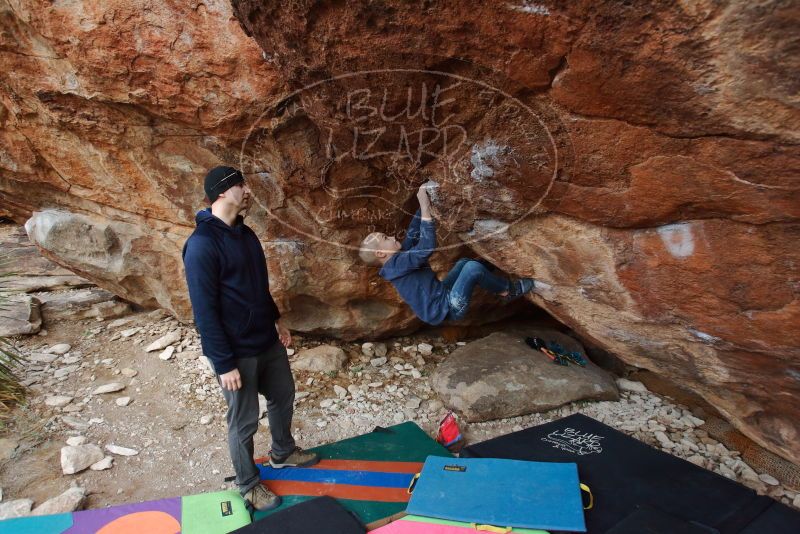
<point>503,493</point>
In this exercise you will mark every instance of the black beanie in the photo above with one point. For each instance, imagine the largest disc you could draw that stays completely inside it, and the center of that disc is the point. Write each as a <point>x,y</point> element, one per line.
<point>220,179</point>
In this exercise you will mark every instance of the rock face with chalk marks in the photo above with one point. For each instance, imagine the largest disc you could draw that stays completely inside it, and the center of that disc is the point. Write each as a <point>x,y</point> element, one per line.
<point>641,159</point>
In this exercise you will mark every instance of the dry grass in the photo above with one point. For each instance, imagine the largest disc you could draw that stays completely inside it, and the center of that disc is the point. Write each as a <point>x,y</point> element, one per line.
<point>11,391</point>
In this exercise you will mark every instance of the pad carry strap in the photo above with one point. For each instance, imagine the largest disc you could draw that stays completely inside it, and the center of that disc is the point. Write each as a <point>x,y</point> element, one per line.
<point>588,490</point>
<point>413,484</point>
<point>490,528</point>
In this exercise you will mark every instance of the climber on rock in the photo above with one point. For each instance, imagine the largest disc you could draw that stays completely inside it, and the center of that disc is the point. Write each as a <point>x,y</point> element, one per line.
<point>406,266</point>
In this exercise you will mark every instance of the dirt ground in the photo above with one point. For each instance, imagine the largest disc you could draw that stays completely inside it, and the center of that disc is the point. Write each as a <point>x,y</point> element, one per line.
<point>178,455</point>
<point>172,399</point>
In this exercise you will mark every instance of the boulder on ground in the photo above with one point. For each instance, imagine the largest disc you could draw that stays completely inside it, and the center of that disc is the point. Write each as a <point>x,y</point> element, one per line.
<point>78,304</point>
<point>500,376</point>
<point>19,315</point>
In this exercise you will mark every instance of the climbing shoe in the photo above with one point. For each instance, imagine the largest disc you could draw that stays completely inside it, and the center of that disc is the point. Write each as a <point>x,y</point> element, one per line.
<point>572,356</point>
<point>517,288</point>
<point>576,357</point>
<point>540,345</point>
<point>297,458</point>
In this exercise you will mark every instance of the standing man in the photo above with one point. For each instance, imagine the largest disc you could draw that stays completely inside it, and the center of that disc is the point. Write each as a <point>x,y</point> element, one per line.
<point>240,331</point>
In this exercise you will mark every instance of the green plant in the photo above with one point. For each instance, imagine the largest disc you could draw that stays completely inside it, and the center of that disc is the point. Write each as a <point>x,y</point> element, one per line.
<point>11,391</point>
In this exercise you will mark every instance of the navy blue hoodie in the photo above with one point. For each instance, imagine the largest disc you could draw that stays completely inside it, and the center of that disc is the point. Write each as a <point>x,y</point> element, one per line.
<point>411,275</point>
<point>226,272</point>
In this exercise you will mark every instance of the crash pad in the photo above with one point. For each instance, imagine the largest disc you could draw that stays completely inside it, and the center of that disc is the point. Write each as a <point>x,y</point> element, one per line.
<point>416,524</point>
<point>504,493</point>
<point>322,514</point>
<point>367,474</point>
<point>210,513</point>
<point>625,474</point>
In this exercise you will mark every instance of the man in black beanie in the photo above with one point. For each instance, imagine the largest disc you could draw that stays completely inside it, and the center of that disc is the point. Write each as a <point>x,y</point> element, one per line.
<point>240,331</point>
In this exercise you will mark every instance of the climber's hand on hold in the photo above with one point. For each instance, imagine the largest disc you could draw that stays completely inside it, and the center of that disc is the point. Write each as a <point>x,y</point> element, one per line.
<point>424,202</point>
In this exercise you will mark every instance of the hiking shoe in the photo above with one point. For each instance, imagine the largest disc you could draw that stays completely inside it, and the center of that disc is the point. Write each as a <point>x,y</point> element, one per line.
<point>536,343</point>
<point>261,499</point>
<point>517,288</point>
<point>297,458</point>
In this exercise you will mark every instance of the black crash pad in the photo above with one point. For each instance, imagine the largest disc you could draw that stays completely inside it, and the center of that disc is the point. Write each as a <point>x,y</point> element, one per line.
<point>626,474</point>
<point>315,516</point>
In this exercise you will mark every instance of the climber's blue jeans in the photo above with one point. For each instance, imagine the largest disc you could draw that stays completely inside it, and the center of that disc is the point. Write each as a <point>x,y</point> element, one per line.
<point>462,279</point>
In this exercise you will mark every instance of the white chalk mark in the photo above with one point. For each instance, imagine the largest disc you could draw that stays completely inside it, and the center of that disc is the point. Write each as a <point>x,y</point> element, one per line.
<point>484,155</point>
<point>531,8</point>
<point>678,239</point>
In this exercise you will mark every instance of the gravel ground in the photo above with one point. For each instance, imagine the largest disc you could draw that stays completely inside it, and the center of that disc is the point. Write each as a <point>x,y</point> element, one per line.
<point>168,409</point>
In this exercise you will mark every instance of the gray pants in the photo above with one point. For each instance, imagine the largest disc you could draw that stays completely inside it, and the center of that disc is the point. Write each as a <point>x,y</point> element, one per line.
<point>268,374</point>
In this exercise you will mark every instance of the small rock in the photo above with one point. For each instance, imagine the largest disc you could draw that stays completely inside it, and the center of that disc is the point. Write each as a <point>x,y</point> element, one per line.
<point>697,460</point>
<point>327,403</point>
<point>75,423</point>
<point>41,357</point>
<point>65,371</point>
<point>664,440</point>
<point>206,419</point>
<point>74,441</point>
<point>796,501</point>
<point>69,501</point>
<point>399,417</point>
<point>122,451</point>
<point>416,374</point>
<point>119,322</point>
<point>727,472</point>
<point>425,349</point>
<point>290,352</point>
<point>378,362</point>
<point>17,508</point>
<point>123,401</point>
<point>102,465</point>
<point>164,341</point>
<point>435,405</point>
<point>367,349</point>
<point>413,403</point>
<point>61,348</point>
<point>629,385</point>
<point>128,372</point>
<point>113,387</point>
<point>130,332</point>
<point>380,349</point>
<point>76,459</point>
<point>167,353</point>
<point>58,401</point>
<point>324,358</point>
<point>766,478</point>
<point>340,391</point>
